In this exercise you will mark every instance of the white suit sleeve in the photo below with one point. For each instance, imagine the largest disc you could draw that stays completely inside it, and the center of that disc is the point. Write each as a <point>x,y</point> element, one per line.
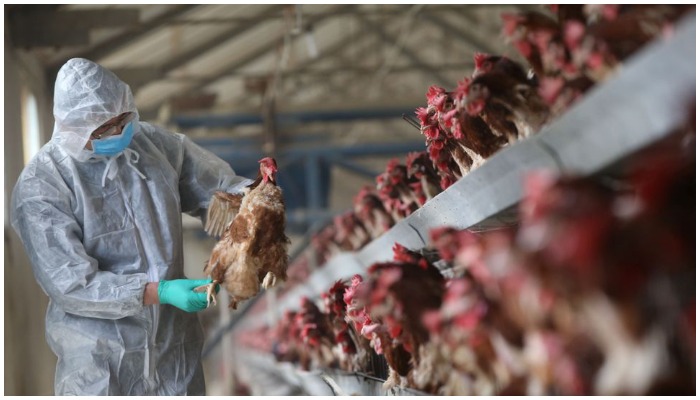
<point>43,219</point>
<point>202,174</point>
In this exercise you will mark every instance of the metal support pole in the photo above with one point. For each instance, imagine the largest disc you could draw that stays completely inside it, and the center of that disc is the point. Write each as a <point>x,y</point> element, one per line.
<point>314,197</point>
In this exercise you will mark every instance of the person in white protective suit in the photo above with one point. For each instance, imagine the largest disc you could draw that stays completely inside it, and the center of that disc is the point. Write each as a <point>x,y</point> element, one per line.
<point>98,210</point>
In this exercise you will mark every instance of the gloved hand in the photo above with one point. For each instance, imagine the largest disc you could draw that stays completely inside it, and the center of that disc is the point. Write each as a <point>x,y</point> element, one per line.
<point>179,293</point>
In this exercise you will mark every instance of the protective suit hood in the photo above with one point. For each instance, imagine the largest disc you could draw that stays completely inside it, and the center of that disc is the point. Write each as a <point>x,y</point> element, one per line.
<point>86,95</point>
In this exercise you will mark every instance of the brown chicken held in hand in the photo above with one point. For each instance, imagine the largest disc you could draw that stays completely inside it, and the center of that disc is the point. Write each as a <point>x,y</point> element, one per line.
<point>253,249</point>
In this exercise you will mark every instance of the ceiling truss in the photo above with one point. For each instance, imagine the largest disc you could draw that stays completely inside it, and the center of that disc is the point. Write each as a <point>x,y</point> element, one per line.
<point>377,30</point>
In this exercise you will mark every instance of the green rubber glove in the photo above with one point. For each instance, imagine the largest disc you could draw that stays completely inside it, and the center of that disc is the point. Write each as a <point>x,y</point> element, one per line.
<point>179,293</point>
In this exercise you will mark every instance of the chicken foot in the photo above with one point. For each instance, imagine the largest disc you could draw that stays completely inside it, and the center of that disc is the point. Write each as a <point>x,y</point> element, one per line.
<point>210,289</point>
<point>269,281</point>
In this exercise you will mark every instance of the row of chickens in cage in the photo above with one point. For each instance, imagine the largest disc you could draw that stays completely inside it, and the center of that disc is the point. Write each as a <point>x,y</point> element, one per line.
<point>499,104</point>
<point>593,293</point>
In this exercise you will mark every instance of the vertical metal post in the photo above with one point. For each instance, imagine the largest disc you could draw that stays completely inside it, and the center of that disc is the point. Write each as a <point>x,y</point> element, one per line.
<point>314,198</point>
<point>226,366</point>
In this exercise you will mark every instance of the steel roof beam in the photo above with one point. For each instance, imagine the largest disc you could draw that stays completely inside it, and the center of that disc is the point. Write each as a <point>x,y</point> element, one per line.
<point>345,69</point>
<point>250,23</point>
<point>261,51</point>
<point>453,30</point>
<point>389,39</point>
<point>39,26</point>
<point>338,48</point>
<point>295,117</point>
<point>109,46</point>
<point>398,10</point>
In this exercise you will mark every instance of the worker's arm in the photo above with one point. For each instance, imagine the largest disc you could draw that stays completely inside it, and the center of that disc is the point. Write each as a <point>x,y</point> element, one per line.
<point>43,218</point>
<point>202,174</point>
<point>150,294</point>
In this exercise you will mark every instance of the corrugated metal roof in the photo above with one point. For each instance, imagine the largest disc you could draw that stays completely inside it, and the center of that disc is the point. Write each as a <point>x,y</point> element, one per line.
<point>384,55</point>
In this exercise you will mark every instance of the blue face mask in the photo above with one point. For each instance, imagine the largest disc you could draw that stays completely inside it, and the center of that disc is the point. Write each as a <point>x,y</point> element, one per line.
<point>115,144</point>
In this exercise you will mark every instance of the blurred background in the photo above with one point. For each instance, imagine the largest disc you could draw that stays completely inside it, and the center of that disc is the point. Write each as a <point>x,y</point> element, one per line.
<point>575,280</point>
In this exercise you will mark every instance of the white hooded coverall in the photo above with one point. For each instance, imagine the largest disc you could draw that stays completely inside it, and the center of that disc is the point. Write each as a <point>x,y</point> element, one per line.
<point>97,229</point>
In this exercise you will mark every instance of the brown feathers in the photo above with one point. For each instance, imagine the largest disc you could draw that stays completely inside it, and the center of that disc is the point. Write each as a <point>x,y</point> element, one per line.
<point>253,249</point>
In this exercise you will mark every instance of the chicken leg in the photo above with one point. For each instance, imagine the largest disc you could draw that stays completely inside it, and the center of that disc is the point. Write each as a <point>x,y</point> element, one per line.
<point>210,290</point>
<point>269,281</point>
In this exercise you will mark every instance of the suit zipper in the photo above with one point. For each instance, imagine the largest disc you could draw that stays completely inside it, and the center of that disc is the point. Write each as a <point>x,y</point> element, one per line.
<point>149,362</point>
